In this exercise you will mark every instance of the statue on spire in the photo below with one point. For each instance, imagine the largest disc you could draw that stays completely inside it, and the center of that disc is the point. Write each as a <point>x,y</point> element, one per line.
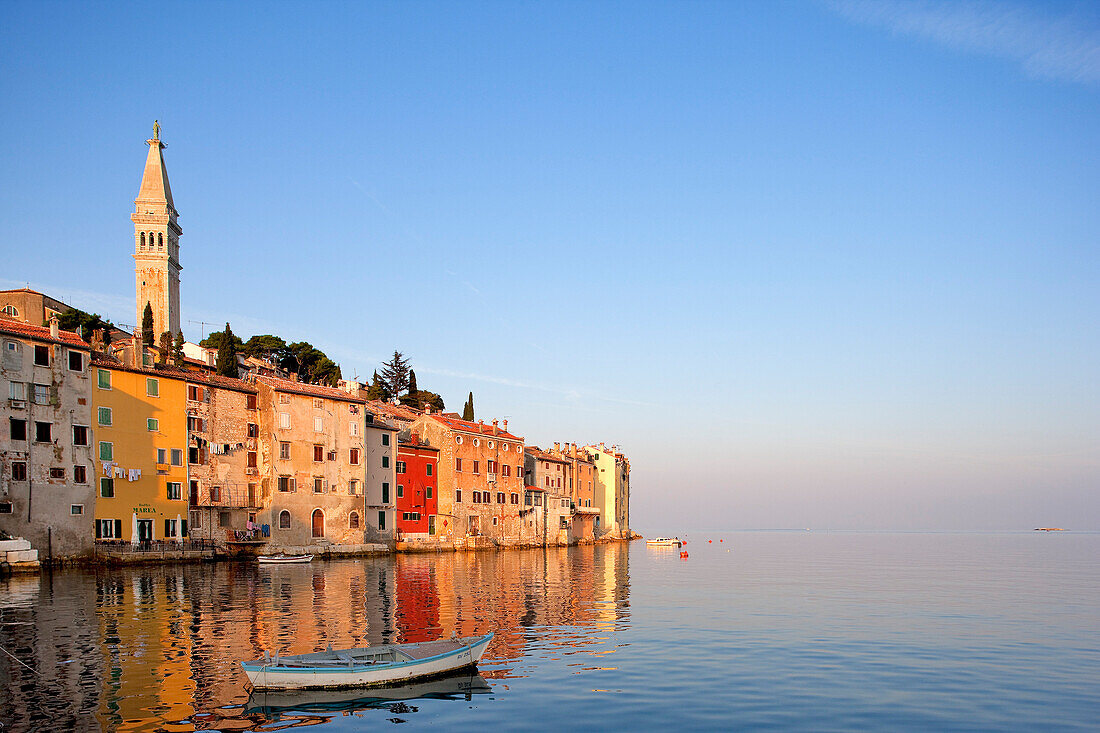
<point>156,130</point>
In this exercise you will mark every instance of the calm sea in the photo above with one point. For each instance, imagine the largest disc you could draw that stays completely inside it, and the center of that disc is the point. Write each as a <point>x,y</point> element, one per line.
<point>754,630</point>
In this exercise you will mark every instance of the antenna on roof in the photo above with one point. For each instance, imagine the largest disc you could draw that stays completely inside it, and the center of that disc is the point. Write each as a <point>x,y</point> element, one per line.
<point>204,324</point>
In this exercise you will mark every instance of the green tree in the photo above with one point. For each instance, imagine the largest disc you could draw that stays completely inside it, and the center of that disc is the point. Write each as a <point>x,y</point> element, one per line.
<point>395,373</point>
<point>377,389</point>
<point>468,410</point>
<point>267,347</point>
<point>310,364</point>
<point>147,334</point>
<point>227,353</point>
<point>412,382</point>
<point>177,350</point>
<point>75,319</point>
<point>164,347</point>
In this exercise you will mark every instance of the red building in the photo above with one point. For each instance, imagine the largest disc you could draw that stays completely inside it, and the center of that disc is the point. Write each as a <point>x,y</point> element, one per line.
<point>417,498</point>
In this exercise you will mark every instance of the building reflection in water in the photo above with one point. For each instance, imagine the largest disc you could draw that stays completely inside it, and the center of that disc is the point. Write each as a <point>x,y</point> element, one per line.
<point>145,647</point>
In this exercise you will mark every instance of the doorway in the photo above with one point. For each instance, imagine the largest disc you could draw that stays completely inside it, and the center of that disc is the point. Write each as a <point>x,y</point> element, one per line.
<point>145,530</point>
<point>318,523</point>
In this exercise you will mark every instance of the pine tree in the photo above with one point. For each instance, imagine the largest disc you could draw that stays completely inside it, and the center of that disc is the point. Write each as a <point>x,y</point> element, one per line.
<point>468,410</point>
<point>395,374</point>
<point>377,389</point>
<point>227,354</point>
<point>147,334</point>
<point>177,350</point>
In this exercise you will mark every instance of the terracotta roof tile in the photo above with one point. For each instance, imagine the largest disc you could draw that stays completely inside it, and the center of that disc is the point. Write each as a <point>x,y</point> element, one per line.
<point>42,333</point>
<point>310,390</point>
<point>473,427</point>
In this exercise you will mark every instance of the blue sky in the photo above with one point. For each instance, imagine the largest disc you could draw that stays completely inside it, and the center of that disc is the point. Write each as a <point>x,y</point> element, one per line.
<point>810,264</point>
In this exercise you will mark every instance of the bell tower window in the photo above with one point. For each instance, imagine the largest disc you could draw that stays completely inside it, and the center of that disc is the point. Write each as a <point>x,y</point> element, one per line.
<point>143,240</point>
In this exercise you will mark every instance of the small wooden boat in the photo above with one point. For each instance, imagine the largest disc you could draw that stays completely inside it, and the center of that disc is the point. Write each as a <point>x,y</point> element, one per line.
<point>451,687</point>
<point>365,667</point>
<point>664,542</point>
<point>284,559</point>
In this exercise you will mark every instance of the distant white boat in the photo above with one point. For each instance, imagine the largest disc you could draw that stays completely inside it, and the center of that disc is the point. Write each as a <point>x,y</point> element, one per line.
<point>664,542</point>
<point>365,667</point>
<point>284,559</point>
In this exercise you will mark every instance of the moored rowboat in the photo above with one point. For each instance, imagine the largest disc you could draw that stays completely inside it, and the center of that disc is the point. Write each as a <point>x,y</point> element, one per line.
<point>283,559</point>
<point>664,542</point>
<point>365,667</point>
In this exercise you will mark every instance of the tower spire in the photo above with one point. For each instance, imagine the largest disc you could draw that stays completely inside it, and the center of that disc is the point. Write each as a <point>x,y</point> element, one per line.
<point>156,242</point>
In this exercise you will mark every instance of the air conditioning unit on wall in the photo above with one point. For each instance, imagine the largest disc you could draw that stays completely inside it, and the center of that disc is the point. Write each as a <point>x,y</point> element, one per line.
<point>17,404</point>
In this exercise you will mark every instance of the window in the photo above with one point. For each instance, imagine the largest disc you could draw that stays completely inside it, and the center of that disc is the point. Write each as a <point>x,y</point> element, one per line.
<point>477,442</point>
<point>194,424</point>
<point>491,444</point>
<point>385,461</point>
<point>252,494</point>
<point>18,470</point>
<point>106,487</point>
<point>80,435</point>
<point>491,466</point>
<point>196,519</point>
<point>284,519</point>
<point>458,439</point>
<point>194,455</point>
<point>284,420</point>
<point>43,432</point>
<point>477,497</point>
<point>80,474</point>
<point>10,310</point>
<point>105,416</point>
<point>318,403</point>
<point>318,485</point>
<point>504,447</point>
<point>106,451</point>
<point>284,451</point>
<point>428,492</point>
<point>41,394</point>
<point>411,516</point>
<point>76,509</point>
<point>458,464</point>
<point>41,355</point>
<point>318,453</point>
<point>353,487</point>
<point>17,429</point>
<point>108,529</point>
<point>250,402</point>
<point>251,459</point>
<point>458,496</point>
<point>57,473</point>
<point>381,520</point>
<point>353,520</point>
<point>385,438</point>
<point>500,497</point>
<point>353,456</point>
<point>76,361</point>
<point>353,427</point>
<point>253,430</point>
<point>286,484</point>
<point>195,393</point>
<point>318,424</point>
<point>17,391</point>
<point>103,377</point>
<point>427,469</point>
<point>224,519</point>
<point>152,424</point>
<point>476,466</point>
<point>431,524</point>
<point>385,492</point>
<point>152,387</point>
<point>177,457</point>
<point>401,467</point>
<point>162,456</point>
<point>215,494</point>
<point>175,490</point>
<point>400,491</point>
<point>515,498</point>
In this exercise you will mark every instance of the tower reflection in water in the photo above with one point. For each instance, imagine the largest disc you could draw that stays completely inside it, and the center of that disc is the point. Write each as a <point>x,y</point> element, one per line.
<point>145,647</point>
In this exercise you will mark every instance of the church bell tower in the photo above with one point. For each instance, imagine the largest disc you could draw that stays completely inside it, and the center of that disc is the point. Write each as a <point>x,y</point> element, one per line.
<point>157,243</point>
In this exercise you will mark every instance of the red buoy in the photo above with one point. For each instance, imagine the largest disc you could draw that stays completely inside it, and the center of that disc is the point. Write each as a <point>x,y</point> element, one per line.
<point>683,555</point>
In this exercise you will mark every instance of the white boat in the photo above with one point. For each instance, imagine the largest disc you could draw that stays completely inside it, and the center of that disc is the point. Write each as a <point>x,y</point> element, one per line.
<point>365,667</point>
<point>283,559</point>
<point>451,687</point>
<point>664,542</point>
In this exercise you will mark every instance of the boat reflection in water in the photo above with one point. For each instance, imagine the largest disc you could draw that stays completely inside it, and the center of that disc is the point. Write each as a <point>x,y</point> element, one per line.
<point>277,702</point>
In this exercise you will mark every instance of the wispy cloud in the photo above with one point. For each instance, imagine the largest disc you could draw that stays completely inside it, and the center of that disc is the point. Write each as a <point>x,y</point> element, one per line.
<point>1065,46</point>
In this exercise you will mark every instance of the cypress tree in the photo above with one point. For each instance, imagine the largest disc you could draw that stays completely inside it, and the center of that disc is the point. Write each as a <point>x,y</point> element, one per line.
<point>227,354</point>
<point>412,383</point>
<point>468,410</point>
<point>147,335</point>
<point>177,350</point>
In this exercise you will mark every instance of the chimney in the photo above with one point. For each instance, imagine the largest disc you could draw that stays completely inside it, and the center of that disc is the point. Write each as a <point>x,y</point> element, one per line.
<point>495,429</point>
<point>505,426</point>
<point>481,426</point>
<point>414,438</point>
<point>53,327</point>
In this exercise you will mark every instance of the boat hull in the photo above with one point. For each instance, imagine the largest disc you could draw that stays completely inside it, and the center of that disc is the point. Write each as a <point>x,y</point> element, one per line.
<point>269,676</point>
<point>284,560</point>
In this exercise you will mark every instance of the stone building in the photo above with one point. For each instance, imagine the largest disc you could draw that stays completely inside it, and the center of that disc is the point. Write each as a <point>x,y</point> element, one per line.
<point>480,482</point>
<point>223,432</point>
<point>46,467</point>
<point>311,466</point>
<point>156,243</point>
<point>547,490</point>
<point>582,490</point>
<point>29,306</point>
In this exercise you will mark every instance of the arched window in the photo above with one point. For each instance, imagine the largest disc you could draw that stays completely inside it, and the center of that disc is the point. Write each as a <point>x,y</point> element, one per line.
<point>318,523</point>
<point>353,520</point>
<point>284,519</point>
<point>10,310</point>
<point>143,240</point>
<point>160,239</point>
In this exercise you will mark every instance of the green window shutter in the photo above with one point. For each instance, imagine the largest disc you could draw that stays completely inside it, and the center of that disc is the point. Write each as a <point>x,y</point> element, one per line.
<point>98,531</point>
<point>118,529</point>
<point>183,528</point>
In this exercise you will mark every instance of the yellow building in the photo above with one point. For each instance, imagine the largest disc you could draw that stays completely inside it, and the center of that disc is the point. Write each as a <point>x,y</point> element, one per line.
<point>139,429</point>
